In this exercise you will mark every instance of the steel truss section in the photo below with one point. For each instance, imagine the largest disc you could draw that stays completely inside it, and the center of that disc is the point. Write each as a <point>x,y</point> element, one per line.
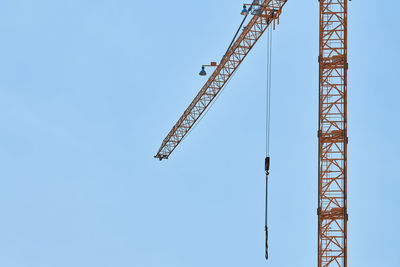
<point>270,12</point>
<point>332,134</point>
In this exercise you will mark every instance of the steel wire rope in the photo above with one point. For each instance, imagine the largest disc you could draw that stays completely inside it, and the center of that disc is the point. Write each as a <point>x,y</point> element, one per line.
<point>210,106</point>
<point>238,30</point>
<point>268,131</point>
<point>268,94</point>
<point>223,88</point>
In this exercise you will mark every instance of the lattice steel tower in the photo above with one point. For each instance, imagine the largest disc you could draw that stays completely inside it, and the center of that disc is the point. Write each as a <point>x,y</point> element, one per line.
<point>332,134</point>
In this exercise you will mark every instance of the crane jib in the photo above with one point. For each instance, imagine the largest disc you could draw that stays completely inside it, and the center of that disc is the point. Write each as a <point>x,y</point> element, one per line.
<point>269,13</point>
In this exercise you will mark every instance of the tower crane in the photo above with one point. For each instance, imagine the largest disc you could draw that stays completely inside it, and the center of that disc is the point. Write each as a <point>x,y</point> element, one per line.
<point>332,108</point>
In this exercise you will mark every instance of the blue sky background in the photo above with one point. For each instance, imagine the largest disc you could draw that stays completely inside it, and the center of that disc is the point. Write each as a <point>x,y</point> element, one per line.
<point>88,90</point>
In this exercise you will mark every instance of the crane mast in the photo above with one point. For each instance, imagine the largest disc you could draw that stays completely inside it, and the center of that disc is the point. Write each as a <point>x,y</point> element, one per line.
<point>269,12</point>
<point>332,134</point>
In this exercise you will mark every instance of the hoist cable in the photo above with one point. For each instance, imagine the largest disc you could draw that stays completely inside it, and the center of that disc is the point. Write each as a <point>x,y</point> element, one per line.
<point>268,105</point>
<point>267,131</point>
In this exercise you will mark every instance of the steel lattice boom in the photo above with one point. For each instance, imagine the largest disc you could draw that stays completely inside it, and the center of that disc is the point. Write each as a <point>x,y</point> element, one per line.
<point>270,12</point>
<point>332,178</point>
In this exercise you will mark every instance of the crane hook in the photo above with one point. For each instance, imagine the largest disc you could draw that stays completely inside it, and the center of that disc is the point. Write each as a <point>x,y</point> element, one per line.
<point>267,164</point>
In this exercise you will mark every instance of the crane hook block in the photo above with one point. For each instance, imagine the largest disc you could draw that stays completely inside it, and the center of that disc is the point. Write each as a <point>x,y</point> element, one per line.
<point>267,161</point>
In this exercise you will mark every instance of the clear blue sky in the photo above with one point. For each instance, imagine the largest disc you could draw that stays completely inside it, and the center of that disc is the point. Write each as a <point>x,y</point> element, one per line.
<point>88,90</point>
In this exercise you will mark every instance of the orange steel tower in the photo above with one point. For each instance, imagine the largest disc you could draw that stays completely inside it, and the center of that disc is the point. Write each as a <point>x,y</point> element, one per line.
<point>332,134</point>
